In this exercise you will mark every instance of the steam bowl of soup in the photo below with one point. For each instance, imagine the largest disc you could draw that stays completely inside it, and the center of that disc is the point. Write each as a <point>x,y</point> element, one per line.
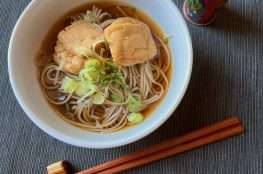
<point>100,74</point>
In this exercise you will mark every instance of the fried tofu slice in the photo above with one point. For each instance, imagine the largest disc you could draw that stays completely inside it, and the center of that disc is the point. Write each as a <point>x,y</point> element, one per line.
<point>131,41</point>
<point>78,35</point>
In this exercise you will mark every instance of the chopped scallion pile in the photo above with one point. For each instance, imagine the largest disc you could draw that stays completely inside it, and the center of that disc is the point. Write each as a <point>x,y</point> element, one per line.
<point>134,104</point>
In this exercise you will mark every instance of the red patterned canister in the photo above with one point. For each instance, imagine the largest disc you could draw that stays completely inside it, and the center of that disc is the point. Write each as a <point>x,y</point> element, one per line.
<point>201,12</point>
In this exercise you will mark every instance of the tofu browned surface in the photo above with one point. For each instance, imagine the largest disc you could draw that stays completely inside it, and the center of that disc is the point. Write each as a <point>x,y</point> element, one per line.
<point>78,35</point>
<point>131,41</point>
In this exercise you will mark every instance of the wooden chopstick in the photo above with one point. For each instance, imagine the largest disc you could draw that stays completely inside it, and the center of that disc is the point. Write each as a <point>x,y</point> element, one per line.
<point>170,147</point>
<point>175,150</point>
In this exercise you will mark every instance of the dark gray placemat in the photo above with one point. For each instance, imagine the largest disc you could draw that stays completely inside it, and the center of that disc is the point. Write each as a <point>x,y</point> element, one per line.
<point>227,80</point>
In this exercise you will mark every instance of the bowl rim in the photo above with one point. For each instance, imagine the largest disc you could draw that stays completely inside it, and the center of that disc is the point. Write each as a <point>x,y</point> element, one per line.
<point>68,140</point>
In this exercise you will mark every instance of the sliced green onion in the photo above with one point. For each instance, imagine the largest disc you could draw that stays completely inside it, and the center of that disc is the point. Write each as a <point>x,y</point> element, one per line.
<point>86,88</point>
<point>167,39</point>
<point>111,67</point>
<point>120,83</point>
<point>114,75</point>
<point>92,71</point>
<point>135,118</point>
<point>98,98</point>
<point>116,98</point>
<point>134,104</point>
<point>93,63</point>
<point>69,85</point>
<point>105,81</point>
<point>84,75</point>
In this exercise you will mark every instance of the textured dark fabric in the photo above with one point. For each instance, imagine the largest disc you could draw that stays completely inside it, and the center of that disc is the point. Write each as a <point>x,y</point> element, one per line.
<point>227,80</point>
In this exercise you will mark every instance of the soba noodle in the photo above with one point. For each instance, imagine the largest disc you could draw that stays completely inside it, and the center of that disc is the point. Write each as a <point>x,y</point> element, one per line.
<point>147,81</point>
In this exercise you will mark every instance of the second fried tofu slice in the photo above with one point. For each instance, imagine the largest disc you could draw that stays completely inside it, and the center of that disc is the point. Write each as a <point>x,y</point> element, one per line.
<point>130,41</point>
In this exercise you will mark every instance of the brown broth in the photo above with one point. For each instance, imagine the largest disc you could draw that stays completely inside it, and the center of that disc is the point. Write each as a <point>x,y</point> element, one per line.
<point>45,53</point>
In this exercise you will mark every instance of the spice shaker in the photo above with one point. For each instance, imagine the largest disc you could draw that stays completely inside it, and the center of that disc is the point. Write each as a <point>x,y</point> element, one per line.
<point>202,12</point>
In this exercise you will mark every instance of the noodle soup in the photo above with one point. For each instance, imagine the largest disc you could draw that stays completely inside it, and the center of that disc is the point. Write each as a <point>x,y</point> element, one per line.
<point>104,67</point>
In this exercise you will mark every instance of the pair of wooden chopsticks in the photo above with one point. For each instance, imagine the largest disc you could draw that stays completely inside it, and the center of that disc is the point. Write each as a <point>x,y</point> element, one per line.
<point>210,134</point>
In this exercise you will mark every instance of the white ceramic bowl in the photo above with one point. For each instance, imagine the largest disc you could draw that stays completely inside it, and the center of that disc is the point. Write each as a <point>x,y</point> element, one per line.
<point>30,30</point>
